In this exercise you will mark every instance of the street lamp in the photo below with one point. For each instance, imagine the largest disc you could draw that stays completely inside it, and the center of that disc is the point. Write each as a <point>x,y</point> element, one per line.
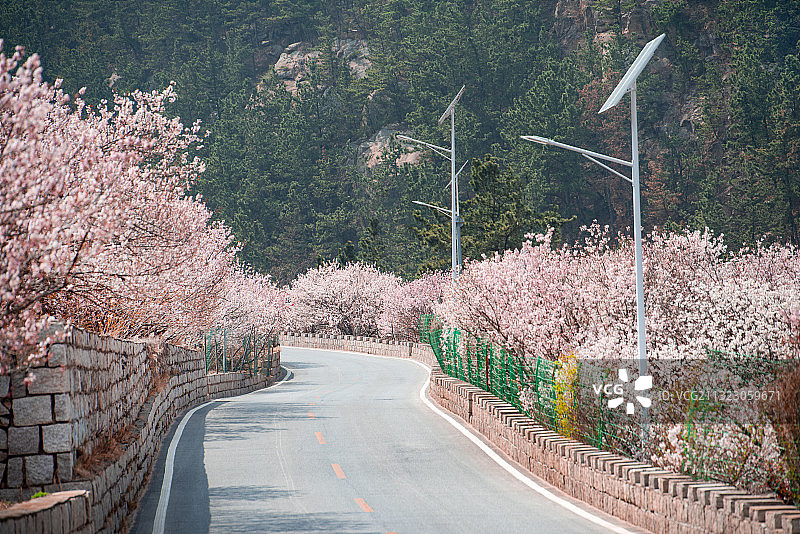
<point>628,83</point>
<point>459,224</point>
<point>448,153</point>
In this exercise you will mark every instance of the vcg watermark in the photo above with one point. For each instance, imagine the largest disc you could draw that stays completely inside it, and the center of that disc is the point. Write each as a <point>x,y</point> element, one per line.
<point>617,391</point>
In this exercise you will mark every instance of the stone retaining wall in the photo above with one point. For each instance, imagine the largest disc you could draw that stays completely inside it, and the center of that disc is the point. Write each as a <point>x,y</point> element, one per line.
<point>639,493</point>
<point>63,512</point>
<point>369,345</point>
<point>94,418</point>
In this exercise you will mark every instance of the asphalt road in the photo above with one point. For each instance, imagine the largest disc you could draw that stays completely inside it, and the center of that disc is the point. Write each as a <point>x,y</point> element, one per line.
<point>345,445</point>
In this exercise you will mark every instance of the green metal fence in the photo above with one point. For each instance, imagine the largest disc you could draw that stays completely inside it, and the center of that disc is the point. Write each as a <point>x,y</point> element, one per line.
<point>548,391</point>
<point>561,396</point>
<point>252,352</point>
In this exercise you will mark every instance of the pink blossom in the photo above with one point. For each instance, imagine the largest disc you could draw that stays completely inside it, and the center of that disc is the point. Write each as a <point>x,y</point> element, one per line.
<point>403,304</point>
<point>346,300</point>
<point>540,301</point>
<point>95,225</point>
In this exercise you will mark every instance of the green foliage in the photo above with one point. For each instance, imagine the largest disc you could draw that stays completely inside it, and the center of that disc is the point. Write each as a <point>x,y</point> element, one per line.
<point>718,112</point>
<point>347,254</point>
<point>435,236</point>
<point>372,245</point>
<point>668,14</point>
<point>549,108</point>
<point>39,494</point>
<point>496,215</point>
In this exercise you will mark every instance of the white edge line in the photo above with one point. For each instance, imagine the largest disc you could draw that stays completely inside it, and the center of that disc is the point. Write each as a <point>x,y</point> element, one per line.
<point>289,376</point>
<point>516,473</point>
<point>159,522</point>
<point>166,484</point>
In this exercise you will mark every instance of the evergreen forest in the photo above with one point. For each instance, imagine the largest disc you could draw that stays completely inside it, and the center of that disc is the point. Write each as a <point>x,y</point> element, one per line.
<point>301,100</point>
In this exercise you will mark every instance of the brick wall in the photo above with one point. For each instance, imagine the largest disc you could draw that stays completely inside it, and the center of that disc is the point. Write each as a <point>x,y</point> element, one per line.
<point>639,493</point>
<point>95,416</point>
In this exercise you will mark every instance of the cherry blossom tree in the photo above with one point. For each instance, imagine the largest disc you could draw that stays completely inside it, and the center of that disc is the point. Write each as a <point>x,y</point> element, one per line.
<point>404,303</point>
<point>346,300</point>
<point>95,225</point>
<point>251,300</point>
<point>540,301</point>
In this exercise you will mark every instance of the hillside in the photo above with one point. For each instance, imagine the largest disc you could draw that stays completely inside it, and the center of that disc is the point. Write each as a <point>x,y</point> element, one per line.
<point>302,99</point>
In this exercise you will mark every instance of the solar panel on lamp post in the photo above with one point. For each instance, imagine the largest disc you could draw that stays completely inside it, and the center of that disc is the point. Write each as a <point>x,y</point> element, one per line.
<point>628,83</point>
<point>448,153</point>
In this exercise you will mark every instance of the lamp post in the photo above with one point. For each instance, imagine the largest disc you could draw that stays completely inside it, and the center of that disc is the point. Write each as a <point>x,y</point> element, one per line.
<point>459,224</point>
<point>448,153</point>
<point>628,83</point>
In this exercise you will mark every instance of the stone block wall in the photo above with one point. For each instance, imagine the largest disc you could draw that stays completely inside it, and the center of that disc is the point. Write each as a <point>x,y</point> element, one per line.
<point>63,512</point>
<point>368,345</point>
<point>95,415</point>
<point>106,380</point>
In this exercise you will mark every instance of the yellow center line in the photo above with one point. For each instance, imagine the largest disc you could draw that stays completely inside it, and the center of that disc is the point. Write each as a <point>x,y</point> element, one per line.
<point>320,438</point>
<point>338,471</point>
<point>363,504</point>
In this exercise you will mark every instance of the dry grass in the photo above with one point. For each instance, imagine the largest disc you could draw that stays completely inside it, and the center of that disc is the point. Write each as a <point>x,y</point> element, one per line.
<point>109,450</point>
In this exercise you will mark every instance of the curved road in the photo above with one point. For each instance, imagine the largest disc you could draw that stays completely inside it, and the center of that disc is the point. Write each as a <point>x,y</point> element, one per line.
<point>345,445</point>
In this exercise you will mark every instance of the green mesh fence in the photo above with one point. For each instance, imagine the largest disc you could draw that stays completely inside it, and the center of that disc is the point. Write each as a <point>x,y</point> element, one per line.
<point>252,352</point>
<point>547,391</point>
<point>560,395</point>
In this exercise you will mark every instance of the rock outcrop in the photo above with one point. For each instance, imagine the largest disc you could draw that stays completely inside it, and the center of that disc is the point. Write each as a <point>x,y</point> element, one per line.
<point>294,65</point>
<point>296,62</point>
<point>573,17</point>
<point>371,152</point>
<point>356,53</point>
